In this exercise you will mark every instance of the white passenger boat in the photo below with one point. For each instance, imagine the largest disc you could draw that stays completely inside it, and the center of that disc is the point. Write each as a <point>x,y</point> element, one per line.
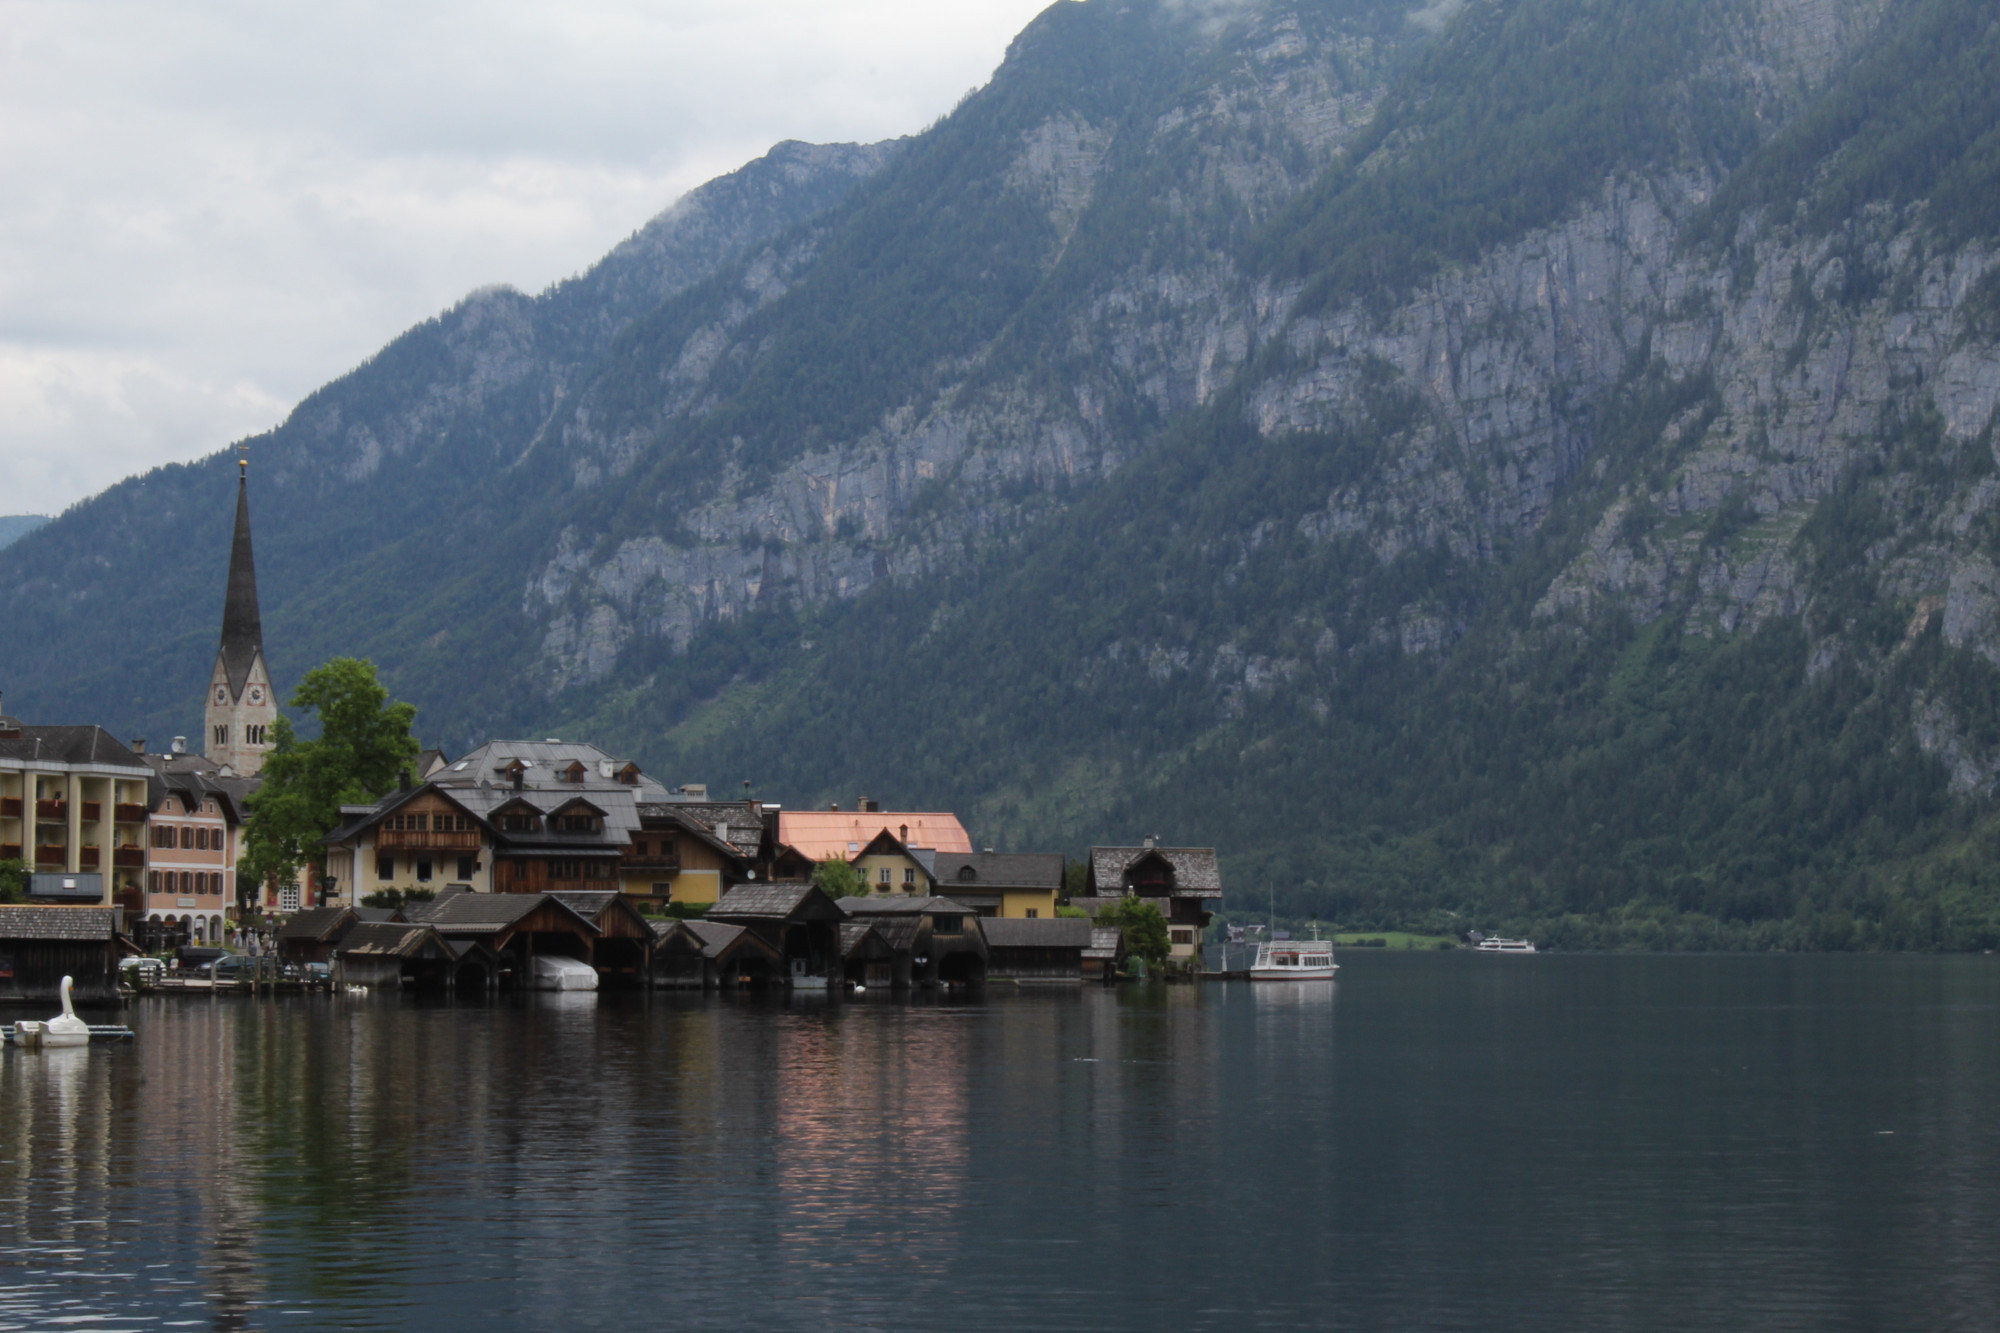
<point>1294,960</point>
<point>1494,944</point>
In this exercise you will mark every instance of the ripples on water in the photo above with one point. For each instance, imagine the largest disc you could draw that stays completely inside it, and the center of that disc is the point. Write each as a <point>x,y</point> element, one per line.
<point>1437,1142</point>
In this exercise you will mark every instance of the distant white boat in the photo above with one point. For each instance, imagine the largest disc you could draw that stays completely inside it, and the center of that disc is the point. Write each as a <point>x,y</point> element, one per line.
<point>1494,944</point>
<point>1294,960</point>
<point>553,972</point>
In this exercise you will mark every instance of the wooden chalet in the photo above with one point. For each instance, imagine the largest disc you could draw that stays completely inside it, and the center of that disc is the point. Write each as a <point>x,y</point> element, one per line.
<point>710,954</point>
<point>39,946</point>
<point>624,950</point>
<point>1042,949</point>
<point>311,936</point>
<point>393,955</point>
<point>514,926</point>
<point>1183,882</point>
<point>935,940</point>
<point>797,920</point>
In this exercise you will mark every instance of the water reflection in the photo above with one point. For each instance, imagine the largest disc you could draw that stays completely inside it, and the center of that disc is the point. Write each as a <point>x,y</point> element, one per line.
<point>1429,1142</point>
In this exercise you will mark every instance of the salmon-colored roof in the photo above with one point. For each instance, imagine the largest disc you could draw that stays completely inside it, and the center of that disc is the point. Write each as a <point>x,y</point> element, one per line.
<point>818,834</point>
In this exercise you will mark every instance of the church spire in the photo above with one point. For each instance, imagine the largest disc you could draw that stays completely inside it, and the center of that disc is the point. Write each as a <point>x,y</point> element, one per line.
<point>242,627</point>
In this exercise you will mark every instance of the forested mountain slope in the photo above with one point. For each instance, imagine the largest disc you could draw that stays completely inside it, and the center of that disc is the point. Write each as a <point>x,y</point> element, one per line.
<point>1520,463</point>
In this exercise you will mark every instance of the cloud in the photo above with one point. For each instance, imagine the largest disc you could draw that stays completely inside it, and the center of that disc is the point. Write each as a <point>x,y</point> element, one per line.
<point>214,207</point>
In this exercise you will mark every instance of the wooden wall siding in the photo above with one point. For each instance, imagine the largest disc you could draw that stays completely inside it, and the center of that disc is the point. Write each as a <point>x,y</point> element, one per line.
<point>509,879</point>
<point>38,967</point>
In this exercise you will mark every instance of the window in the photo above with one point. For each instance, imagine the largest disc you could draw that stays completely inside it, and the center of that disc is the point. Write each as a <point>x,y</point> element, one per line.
<point>187,881</point>
<point>946,925</point>
<point>910,875</point>
<point>254,733</point>
<point>423,870</point>
<point>464,868</point>
<point>518,822</point>
<point>201,839</point>
<point>1034,913</point>
<point>288,898</point>
<point>520,870</point>
<point>885,874</point>
<point>576,823</point>
<point>187,836</point>
<point>640,847</point>
<point>152,881</point>
<point>966,874</point>
<point>1183,936</point>
<point>385,866</point>
<point>222,735</point>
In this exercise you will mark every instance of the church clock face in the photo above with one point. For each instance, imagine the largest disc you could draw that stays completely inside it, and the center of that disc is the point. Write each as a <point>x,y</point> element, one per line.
<point>256,694</point>
<point>221,695</point>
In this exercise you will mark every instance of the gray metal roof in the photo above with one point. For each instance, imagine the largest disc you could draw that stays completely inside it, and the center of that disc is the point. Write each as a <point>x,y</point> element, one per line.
<point>454,913</point>
<point>77,746</point>
<point>1060,932</point>
<point>1000,870</point>
<point>902,904</point>
<point>544,760</point>
<point>58,923</point>
<point>1103,942</point>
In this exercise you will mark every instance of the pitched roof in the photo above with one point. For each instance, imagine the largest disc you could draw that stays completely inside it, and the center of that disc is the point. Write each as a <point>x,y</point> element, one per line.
<point>58,923</point>
<point>773,902</point>
<point>482,913</point>
<point>586,903</point>
<point>71,745</point>
<point>715,938</point>
<point>316,923</point>
<point>819,834</point>
<point>388,939</point>
<point>1001,870</point>
<point>901,905</point>
<point>1103,942</point>
<point>242,627</point>
<point>1196,873</point>
<point>1060,932</point>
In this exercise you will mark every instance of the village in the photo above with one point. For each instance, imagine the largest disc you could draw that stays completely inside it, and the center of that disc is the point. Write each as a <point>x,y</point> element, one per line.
<point>547,863</point>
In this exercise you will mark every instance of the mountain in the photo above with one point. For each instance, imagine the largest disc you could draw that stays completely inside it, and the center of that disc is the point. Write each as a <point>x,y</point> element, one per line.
<point>1515,463</point>
<point>13,527</point>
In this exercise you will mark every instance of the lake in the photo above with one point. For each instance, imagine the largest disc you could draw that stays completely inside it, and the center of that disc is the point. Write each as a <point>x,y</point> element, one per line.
<point>1434,1141</point>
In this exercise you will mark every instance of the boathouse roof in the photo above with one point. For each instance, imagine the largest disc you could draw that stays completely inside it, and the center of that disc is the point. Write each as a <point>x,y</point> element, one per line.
<point>772,902</point>
<point>57,923</point>
<point>902,905</point>
<point>392,939</point>
<point>1060,932</point>
<point>318,924</point>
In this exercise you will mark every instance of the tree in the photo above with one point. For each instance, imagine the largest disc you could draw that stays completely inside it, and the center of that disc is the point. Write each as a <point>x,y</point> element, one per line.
<point>364,746</point>
<point>13,881</point>
<point>1144,929</point>
<point>837,879</point>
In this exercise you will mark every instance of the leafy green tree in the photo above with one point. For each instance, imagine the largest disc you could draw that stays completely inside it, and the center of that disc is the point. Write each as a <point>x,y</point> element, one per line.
<point>837,879</point>
<point>1143,928</point>
<point>364,745</point>
<point>13,881</point>
<point>1064,909</point>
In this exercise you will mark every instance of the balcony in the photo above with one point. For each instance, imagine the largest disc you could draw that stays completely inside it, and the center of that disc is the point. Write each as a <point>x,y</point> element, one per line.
<point>10,807</point>
<point>129,814</point>
<point>128,857</point>
<point>51,855</point>
<point>52,810</point>
<point>86,858</point>
<point>656,865</point>
<point>389,840</point>
<point>92,812</point>
<point>10,851</point>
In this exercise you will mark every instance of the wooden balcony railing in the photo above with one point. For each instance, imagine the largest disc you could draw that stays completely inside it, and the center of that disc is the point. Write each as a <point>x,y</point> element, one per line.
<point>663,865</point>
<point>87,858</point>
<point>129,814</point>
<point>427,840</point>
<point>52,809</point>
<point>92,812</point>
<point>10,807</point>
<point>51,856</point>
<point>10,851</point>
<point>128,856</point>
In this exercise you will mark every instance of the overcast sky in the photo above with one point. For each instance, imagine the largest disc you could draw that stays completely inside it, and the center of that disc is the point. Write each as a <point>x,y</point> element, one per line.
<point>212,207</point>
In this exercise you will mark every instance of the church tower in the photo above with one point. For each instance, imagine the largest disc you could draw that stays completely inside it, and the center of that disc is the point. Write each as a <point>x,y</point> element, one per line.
<point>240,707</point>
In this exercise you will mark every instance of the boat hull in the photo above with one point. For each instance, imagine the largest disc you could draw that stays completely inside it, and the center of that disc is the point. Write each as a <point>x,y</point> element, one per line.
<point>1294,973</point>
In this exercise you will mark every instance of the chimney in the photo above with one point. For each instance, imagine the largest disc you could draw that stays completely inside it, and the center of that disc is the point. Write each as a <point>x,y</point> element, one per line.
<point>867,805</point>
<point>835,807</point>
<point>1152,840</point>
<point>180,745</point>
<point>138,745</point>
<point>987,850</point>
<point>903,834</point>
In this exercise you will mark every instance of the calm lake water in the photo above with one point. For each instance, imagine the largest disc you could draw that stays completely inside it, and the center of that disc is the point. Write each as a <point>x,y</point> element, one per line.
<point>1433,1142</point>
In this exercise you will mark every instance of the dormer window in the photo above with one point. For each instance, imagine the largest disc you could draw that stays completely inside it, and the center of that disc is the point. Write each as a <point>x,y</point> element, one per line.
<point>519,821</point>
<point>629,775</point>
<point>575,772</point>
<point>578,823</point>
<point>966,874</point>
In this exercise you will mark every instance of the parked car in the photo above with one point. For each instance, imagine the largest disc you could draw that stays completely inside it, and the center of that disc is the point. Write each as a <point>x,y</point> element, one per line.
<point>229,967</point>
<point>139,973</point>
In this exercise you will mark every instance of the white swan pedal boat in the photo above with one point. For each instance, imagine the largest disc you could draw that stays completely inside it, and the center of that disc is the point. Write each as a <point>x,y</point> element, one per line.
<point>66,1029</point>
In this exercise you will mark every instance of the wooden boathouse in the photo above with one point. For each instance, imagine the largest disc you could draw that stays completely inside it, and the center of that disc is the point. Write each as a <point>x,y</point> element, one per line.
<point>39,946</point>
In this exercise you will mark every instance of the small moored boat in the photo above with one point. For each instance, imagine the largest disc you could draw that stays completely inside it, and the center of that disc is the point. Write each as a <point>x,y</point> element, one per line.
<point>1294,960</point>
